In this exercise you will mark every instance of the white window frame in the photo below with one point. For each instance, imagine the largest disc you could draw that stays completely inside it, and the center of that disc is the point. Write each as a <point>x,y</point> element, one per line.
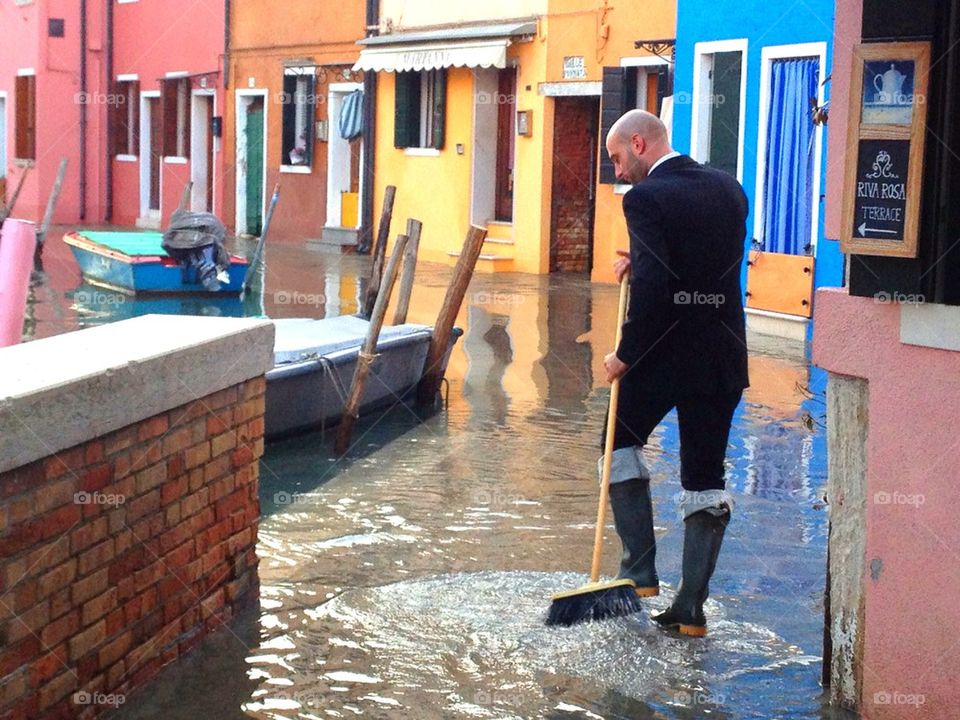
<point>135,105</point>
<point>643,61</point>
<point>300,118</point>
<point>183,107</point>
<point>700,125</point>
<point>767,57</point>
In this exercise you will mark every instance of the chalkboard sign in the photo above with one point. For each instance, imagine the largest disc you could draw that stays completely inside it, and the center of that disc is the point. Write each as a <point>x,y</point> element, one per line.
<point>887,123</point>
<point>880,204</point>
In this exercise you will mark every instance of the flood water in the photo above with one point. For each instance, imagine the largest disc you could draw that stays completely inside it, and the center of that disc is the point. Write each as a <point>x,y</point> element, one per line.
<point>410,579</point>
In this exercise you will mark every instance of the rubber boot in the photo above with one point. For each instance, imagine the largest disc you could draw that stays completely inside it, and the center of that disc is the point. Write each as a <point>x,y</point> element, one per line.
<point>703,535</point>
<point>633,518</point>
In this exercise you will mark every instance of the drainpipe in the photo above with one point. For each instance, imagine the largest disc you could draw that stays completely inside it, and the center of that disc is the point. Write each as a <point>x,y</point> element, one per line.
<point>369,137</point>
<point>226,45</point>
<point>83,110</point>
<point>108,194</point>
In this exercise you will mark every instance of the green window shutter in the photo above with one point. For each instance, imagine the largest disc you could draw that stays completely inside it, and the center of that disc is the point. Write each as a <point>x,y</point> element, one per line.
<point>612,105</point>
<point>439,107</point>
<point>663,86</point>
<point>406,130</point>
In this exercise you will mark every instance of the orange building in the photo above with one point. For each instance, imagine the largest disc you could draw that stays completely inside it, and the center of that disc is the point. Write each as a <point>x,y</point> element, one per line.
<point>290,85</point>
<point>491,114</point>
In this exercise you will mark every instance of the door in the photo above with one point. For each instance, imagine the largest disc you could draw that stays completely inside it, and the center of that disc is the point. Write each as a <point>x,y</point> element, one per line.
<point>254,184</point>
<point>201,153</point>
<point>575,148</point>
<point>506,139</point>
<point>780,269</point>
<point>155,145</point>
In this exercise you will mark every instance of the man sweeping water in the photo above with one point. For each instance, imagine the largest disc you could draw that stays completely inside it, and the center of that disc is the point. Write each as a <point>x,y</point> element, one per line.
<point>682,346</point>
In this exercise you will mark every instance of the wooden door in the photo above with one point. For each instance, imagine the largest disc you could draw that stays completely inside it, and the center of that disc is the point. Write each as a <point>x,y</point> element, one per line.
<point>506,137</point>
<point>156,151</point>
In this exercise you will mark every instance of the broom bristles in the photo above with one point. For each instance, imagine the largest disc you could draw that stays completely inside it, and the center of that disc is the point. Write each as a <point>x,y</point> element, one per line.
<point>597,601</point>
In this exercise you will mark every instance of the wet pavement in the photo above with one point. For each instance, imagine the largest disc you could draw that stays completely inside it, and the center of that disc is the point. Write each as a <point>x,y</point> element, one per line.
<point>411,578</point>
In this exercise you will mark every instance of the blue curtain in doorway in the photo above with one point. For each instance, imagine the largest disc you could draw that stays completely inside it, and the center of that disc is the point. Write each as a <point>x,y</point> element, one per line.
<point>788,192</point>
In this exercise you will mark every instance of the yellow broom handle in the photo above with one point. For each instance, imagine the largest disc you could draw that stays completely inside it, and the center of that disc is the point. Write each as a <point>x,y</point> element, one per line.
<point>608,441</point>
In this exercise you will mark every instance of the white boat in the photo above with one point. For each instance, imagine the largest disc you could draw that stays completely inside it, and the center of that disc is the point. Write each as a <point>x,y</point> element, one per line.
<point>314,362</point>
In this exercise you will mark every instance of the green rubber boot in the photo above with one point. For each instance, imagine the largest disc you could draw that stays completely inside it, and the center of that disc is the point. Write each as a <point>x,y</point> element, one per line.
<point>703,535</point>
<point>633,518</point>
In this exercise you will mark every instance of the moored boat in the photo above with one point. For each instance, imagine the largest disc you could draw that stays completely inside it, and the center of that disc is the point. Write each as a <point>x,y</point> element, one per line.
<point>135,262</point>
<point>314,362</point>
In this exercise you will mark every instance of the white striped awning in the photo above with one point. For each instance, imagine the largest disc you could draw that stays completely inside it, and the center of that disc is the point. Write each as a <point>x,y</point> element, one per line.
<point>432,56</point>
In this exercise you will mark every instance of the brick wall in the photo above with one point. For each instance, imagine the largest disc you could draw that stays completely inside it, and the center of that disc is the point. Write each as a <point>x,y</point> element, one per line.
<point>574,145</point>
<point>120,554</point>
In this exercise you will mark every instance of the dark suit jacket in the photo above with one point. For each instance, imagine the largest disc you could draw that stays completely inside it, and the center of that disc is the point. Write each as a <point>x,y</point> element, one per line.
<point>684,332</point>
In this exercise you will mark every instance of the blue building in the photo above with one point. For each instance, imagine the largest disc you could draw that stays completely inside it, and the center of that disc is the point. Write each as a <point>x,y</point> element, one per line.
<point>748,78</point>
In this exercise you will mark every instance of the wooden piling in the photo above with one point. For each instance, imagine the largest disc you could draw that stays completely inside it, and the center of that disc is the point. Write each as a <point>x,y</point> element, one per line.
<point>52,202</point>
<point>462,274</point>
<point>379,252</point>
<point>351,408</point>
<point>409,271</point>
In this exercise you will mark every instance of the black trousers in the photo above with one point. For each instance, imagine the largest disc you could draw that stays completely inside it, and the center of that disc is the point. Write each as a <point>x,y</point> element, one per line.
<point>704,422</point>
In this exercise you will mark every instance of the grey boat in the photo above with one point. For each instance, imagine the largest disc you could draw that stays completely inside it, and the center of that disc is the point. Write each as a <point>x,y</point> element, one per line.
<point>314,362</point>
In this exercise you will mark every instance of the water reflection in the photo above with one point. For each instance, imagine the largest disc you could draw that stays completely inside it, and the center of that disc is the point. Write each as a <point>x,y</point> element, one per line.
<point>410,579</point>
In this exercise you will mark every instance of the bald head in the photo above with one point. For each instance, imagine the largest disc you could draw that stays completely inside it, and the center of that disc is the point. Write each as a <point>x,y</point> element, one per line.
<point>635,142</point>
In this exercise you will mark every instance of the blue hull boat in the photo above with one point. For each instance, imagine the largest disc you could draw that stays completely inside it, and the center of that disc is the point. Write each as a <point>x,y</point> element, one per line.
<point>135,262</point>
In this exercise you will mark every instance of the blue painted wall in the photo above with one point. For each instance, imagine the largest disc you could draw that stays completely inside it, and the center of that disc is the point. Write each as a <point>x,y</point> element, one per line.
<point>762,23</point>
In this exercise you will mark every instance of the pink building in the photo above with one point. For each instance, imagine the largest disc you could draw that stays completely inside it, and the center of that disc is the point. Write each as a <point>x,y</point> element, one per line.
<point>168,89</point>
<point>52,65</point>
<point>890,340</point>
<point>131,92</point>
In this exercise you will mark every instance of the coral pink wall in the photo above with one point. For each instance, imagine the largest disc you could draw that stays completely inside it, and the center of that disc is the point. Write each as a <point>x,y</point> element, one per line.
<point>56,62</point>
<point>912,533</point>
<point>153,38</point>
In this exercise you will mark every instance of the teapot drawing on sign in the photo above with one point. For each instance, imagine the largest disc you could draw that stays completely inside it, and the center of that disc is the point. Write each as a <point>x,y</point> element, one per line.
<point>889,86</point>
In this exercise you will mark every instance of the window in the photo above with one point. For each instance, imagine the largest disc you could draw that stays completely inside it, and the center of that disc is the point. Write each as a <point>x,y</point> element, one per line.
<point>126,117</point>
<point>718,89</point>
<point>175,102</point>
<point>628,88</point>
<point>421,99</point>
<point>299,109</point>
<point>26,128</point>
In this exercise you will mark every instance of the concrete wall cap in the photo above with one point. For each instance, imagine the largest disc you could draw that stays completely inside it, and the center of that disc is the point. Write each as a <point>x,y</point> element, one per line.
<point>58,392</point>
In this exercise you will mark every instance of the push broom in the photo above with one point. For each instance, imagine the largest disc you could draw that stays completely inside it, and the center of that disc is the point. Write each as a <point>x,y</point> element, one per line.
<point>600,600</point>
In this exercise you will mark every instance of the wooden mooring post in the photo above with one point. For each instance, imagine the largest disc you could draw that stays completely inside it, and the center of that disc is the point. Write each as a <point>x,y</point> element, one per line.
<point>379,253</point>
<point>409,271</point>
<point>440,343</point>
<point>351,408</point>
